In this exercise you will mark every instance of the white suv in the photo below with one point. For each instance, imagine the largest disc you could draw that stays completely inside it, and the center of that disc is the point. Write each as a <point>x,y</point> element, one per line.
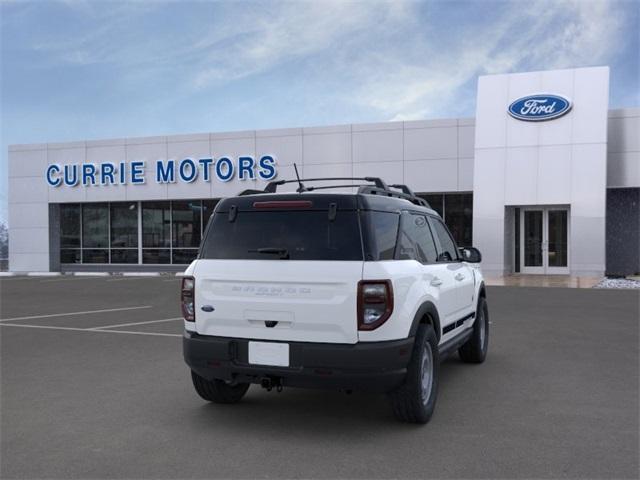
<point>354,291</point>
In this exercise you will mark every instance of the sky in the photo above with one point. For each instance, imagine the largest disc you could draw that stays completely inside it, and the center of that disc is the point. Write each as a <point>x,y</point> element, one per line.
<point>79,70</point>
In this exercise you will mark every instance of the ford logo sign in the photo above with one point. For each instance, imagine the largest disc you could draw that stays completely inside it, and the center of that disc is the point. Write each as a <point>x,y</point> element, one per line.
<point>536,108</point>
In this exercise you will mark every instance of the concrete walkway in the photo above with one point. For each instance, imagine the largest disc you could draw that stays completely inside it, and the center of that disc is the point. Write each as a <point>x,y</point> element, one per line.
<point>563,281</point>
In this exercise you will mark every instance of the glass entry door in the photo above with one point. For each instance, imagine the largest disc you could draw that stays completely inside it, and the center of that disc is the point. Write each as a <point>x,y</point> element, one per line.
<point>544,240</point>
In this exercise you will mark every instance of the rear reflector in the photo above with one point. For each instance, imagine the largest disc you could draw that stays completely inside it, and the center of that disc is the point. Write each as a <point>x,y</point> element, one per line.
<point>283,204</point>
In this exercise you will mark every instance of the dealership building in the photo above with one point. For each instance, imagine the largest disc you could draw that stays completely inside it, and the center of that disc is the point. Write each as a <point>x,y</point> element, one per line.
<point>544,180</point>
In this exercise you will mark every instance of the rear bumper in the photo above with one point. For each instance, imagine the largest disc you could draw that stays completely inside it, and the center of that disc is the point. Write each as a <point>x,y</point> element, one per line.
<point>374,366</point>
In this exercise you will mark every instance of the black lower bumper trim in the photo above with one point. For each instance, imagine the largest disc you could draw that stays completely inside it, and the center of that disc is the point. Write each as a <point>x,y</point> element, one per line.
<point>371,366</point>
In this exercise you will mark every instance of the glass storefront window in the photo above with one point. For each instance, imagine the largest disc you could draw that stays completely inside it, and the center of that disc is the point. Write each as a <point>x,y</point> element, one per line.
<point>70,226</point>
<point>70,255</point>
<point>95,225</point>
<point>124,225</point>
<point>436,201</point>
<point>456,209</point>
<point>128,255</point>
<point>186,224</point>
<point>156,255</point>
<point>458,212</point>
<point>95,256</point>
<point>156,224</point>
<point>184,255</point>
<point>109,233</point>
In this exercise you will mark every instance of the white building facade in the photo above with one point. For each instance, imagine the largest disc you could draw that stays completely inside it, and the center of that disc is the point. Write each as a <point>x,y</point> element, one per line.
<point>544,180</point>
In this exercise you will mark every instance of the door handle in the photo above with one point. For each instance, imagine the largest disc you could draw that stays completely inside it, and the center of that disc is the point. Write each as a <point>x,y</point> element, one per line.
<point>459,277</point>
<point>436,282</point>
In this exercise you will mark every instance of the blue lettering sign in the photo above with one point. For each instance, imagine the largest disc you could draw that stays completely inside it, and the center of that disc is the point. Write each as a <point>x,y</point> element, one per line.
<point>165,174</point>
<point>206,168</point>
<point>51,180</point>
<point>106,173</point>
<point>224,165</point>
<point>88,174</point>
<point>245,168</point>
<point>123,173</point>
<point>166,171</point>
<point>71,175</point>
<point>189,174</point>
<point>267,168</point>
<point>137,173</point>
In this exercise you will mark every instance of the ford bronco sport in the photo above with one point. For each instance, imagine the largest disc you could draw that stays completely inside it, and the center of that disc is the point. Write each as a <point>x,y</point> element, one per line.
<point>352,291</point>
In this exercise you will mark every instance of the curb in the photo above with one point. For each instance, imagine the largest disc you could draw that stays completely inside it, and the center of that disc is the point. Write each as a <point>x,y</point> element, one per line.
<point>140,274</point>
<point>90,274</point>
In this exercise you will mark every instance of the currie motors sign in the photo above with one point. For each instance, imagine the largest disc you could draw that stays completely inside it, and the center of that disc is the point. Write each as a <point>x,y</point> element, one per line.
<point>187,170</point>
<point>540,107</point>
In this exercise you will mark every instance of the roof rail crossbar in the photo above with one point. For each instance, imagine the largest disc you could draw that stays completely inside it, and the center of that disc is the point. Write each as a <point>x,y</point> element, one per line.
<point>273,186</point>
<point>407,191</point>
<point>250,191</point>
<point>367,189</point>
<point>404,189</point>
<point>327,187</point>
<point>378,187</point>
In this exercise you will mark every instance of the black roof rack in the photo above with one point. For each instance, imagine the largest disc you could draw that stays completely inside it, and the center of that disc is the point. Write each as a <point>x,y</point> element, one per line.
<point>272,186</point>
<point>377,187</point>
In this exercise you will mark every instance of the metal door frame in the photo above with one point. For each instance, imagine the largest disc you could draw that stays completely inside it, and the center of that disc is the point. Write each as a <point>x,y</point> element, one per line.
<point>545,269</point>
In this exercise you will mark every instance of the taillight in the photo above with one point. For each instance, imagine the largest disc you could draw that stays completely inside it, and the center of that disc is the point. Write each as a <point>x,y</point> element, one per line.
<point>375,303</point>
<point>187,298</point>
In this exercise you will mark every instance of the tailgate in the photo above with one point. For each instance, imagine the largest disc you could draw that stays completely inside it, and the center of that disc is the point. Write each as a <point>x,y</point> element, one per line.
<point>304,301</point>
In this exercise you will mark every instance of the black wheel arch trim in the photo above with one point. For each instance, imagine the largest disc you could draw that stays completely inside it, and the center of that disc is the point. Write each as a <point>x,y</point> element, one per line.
<point>482,291</point>
<point>430,310</point>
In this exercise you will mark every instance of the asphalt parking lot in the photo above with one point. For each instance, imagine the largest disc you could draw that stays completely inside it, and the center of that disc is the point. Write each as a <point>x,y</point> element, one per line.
<point>105,394</point>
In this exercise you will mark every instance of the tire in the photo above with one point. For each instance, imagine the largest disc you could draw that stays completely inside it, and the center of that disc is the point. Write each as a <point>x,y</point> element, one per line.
<point>218,391</point>
<point>414,401</point>
<point>475,349</point>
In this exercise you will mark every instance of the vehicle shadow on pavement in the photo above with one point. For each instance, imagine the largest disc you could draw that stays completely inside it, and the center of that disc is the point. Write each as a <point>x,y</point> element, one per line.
<point>322,411</point>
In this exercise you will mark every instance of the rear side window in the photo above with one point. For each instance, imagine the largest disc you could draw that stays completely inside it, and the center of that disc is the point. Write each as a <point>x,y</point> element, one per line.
<point>382,234</point>
<point>277,235</point>
<point>448,251</point>
<point>416,241</point>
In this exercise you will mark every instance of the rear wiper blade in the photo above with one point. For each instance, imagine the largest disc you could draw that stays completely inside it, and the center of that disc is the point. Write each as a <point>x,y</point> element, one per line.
<point>283,252</point>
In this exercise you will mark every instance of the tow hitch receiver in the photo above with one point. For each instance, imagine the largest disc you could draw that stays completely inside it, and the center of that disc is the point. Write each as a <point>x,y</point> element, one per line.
<point>270,383</point>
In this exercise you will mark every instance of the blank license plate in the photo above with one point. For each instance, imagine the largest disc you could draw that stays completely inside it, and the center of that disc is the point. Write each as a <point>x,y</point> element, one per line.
<point>267,353</point>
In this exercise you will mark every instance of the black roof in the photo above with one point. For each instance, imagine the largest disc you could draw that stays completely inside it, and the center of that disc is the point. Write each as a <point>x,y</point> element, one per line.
<point>322,201</point>
<point>373,194</point>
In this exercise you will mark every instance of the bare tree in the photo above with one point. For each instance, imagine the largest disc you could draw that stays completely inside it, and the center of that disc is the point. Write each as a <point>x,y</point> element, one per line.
<point>4,241</point>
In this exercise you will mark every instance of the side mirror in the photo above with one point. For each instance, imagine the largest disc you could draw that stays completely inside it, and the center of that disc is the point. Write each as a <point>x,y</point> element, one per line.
<point>471,255</point>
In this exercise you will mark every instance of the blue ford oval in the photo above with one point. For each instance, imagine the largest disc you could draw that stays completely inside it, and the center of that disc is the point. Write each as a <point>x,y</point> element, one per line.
<point>536,108</point>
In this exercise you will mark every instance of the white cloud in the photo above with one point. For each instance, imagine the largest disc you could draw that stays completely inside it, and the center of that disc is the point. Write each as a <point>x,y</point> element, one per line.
<point>389,56</point>
<point>263,40</point>
<point>539,35</point>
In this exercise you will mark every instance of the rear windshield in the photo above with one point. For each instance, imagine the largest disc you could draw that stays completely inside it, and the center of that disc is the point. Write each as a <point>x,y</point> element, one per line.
<point>279,235</point>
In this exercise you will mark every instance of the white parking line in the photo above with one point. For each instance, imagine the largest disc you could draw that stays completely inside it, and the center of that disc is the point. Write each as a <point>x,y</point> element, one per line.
<point>31,317</point>
<point>136,323</point>
<point>128,278</point>
<point>93,330</point>
<point>72,279</point>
